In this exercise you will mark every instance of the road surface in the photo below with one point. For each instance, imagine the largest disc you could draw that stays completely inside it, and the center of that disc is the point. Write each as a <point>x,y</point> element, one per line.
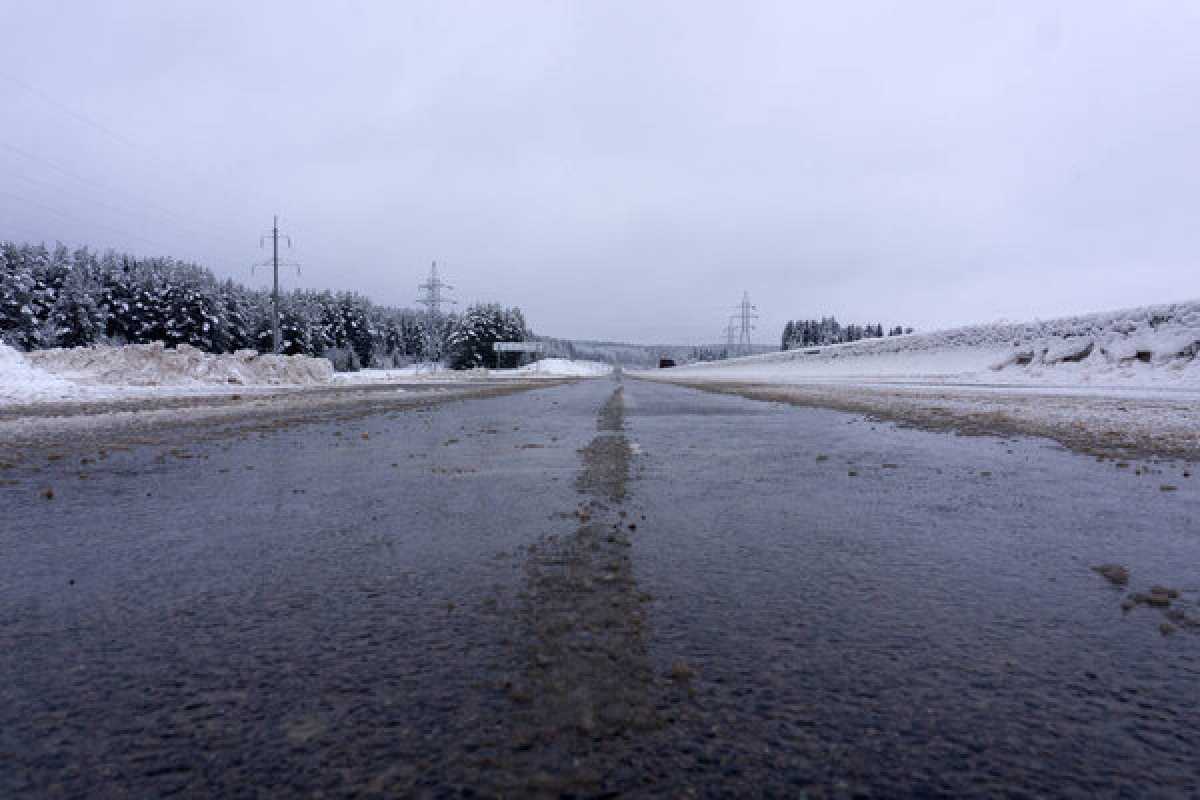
<point>595,589</point>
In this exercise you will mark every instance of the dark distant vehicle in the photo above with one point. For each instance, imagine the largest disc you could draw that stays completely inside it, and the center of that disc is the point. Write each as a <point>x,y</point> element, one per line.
<point>663,363</point>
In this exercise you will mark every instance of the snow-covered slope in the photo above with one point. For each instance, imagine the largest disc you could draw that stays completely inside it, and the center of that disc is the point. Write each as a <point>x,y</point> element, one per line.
<point>1152,346</point>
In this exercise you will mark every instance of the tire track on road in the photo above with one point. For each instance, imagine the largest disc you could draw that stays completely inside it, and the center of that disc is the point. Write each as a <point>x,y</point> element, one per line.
<point>585,687</point>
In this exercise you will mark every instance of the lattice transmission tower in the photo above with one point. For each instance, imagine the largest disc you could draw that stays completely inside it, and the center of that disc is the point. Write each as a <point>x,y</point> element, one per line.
<point>745,322</point>
<point>731,332</point>
<point>432,298</point>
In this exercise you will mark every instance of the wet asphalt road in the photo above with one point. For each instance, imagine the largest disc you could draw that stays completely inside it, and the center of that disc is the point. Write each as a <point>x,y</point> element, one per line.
<point>660,592</point>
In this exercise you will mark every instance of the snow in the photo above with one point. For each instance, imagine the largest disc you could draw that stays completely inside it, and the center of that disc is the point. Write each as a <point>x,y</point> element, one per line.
<point>1155,346</point>
<point>155,365</point>
<point>424,373</point>
<point>105,373</point>
<point>1119,382</point>
<point>562,368</point>
<point>21,382</point>
<point>417,373</point>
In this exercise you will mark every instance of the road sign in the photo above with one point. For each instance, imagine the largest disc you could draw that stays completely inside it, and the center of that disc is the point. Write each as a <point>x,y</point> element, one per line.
<point>519,347</point>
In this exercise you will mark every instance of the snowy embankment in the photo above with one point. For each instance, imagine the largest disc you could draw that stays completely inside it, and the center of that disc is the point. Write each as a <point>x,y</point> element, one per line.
<point>1124,383</point>
<point>424,373</point>
<point>1151,347</point>
<point>561,368</point>
<point>93,373</point>
<point>108,373</point>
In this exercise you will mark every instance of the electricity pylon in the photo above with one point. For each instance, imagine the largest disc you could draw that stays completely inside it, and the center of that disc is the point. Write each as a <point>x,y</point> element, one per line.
<point>730,337</point>
<point>433,299</point>
<point>745,318</point>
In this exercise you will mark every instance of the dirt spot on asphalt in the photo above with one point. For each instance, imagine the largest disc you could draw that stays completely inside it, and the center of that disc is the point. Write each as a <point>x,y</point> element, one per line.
<point>1179,609</point>
<point>1114,573</point>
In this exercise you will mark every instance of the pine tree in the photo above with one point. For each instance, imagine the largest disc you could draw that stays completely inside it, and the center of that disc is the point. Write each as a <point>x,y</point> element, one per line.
<point>472,339</point>
<point>76,318</point>
<point>18,319</point>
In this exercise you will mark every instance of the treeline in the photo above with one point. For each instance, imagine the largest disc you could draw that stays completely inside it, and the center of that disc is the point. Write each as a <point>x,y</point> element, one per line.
<point>62,298</point>
<point>810,332</point>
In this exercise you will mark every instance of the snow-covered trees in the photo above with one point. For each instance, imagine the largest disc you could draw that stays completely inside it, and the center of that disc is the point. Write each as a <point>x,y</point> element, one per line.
<point>22,306</point>
<point>75,319</point>
<point>63,299</point>
<point>809,332</point>
<point>481,326</point>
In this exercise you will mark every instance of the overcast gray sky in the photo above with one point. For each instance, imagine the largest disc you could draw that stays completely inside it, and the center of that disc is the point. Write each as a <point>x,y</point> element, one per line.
<point>625,170</point>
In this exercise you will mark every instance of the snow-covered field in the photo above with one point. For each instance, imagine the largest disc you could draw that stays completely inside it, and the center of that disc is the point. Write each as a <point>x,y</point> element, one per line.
<point>1152,347</point>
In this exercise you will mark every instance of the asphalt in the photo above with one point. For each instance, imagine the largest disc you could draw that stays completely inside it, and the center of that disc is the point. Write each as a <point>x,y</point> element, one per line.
<point>596,589</point>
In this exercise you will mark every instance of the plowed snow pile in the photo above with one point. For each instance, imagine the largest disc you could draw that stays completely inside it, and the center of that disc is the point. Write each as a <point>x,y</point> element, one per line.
<point>22,382</point>
<point>1153,347</point>
<point>148,365</point>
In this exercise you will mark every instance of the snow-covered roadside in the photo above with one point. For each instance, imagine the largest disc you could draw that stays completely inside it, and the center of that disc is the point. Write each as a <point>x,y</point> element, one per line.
<point>1151,347</point>
<point>138,371</point>
<point>417,373</point>
<point>546,368</point>
<point>22,382</point>
<point>156,365</point>
<point>125,421</point>
<point>102,374</point>
<point>1116,383</point>
<point>561,368</point>
<point>1114,424</point>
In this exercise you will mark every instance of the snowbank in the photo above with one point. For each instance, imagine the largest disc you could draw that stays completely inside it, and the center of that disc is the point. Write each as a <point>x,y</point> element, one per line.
<point>22,382</point>
<point>563,368</point>
<point>546,368</point>
<point>416,373</point>
<point>1155,346</point>
<point>155,365</point>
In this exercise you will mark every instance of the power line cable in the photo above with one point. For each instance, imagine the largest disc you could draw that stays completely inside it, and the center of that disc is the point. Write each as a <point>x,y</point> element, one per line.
<point>63,107</point>
<point>77,218</point>
<point>140,148</point>
<point>101,203</point>
<point>57,167</point>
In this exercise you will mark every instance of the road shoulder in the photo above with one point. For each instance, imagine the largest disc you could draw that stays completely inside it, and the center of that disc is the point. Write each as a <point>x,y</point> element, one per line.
<point>68,427</point>
<point>1117,426</point>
